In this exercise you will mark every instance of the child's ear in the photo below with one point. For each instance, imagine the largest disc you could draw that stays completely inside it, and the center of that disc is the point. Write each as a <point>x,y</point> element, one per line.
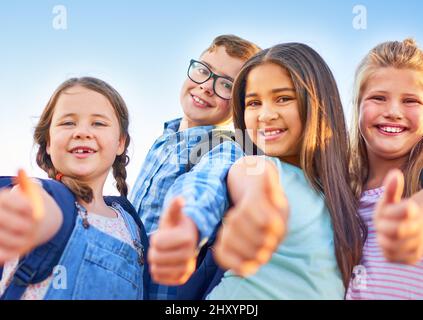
<point>48,148</point>
<point>121,147</point>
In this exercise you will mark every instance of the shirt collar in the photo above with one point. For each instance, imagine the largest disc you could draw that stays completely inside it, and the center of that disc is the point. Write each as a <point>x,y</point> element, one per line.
<point>172,125</point>
<point>194,134</point>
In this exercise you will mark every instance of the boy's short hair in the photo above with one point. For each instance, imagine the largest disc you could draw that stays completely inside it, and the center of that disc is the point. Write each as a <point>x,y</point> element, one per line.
<point>235,46</point>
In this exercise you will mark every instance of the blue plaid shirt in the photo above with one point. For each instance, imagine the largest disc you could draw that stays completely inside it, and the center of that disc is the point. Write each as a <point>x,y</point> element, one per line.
<point>164,176</point>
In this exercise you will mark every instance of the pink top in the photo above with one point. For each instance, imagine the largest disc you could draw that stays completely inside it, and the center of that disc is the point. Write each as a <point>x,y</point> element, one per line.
<point>376,278</point>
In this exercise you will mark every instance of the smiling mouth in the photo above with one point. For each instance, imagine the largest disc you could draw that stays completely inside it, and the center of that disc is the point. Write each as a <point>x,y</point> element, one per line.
<point>271,133</point>
<point>391,130</point>
<point>200,102</point>
<point>82,151</point>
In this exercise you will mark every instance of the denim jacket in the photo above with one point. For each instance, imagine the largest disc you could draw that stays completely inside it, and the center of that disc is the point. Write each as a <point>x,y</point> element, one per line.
<point>99,266</point>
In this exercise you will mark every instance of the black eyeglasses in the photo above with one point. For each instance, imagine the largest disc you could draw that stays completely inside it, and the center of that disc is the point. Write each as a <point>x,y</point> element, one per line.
<point>200,73</point>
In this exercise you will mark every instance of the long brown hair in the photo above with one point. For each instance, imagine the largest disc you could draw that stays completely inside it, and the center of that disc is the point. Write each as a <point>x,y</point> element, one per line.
<point>325,152</point>
<point>400,55</point>
<point>42,136</point>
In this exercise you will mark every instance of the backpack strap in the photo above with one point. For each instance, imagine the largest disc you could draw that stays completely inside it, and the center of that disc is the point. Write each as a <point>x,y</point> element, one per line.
<point>215,138</point>
<point>38,265</point>
<point>5,182</point>
<point>128,207</point>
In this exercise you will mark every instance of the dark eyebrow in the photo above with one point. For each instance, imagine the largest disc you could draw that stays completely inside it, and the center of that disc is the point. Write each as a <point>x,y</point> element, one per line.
<point>222,74</point>
<point>277,90</point>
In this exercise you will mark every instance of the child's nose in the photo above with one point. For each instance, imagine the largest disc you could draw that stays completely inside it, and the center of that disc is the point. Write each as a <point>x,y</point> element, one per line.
<point>394,111</point>
<point>82,132</point>
<point>267,113</point>
<point>207,87</point>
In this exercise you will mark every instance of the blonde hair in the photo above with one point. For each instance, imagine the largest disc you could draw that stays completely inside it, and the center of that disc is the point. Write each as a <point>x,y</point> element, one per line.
<point>395,54</point>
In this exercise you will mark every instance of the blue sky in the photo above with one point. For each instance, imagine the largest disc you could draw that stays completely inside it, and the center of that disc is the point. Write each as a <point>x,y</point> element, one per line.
<point>142,48</point>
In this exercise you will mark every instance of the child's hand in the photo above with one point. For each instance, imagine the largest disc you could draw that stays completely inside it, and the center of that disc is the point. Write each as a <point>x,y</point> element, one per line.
<point>19,219</point>
<point>253,229</point>
<point>399,223</point>
<point>173,250</point>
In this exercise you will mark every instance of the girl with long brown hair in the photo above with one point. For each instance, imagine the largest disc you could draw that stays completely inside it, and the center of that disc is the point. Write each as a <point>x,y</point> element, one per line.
<point>287,100</point>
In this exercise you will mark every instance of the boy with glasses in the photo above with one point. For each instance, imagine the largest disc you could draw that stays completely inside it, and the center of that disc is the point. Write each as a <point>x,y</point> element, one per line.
<point>186,194</point>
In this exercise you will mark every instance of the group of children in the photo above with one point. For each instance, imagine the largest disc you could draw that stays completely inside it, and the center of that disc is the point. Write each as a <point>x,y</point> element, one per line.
<point>310,212</point>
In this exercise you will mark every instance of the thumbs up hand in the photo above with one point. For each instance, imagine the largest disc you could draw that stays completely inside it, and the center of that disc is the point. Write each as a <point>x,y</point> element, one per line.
<point>21,210</point>
<point>255,226</point>
<point>399,223</point>
<point>173,247</point>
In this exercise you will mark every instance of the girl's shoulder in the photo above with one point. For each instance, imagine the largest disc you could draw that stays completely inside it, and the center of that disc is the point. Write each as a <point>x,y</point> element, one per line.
<point>122,209</point>
<point>294,182</point>
<point>285,168</point>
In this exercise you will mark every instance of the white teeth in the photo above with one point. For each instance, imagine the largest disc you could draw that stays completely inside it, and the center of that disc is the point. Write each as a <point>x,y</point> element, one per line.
<point>80,151</point>
<point>271,133</point>
<point>197,99</point>
<point>392,129</point>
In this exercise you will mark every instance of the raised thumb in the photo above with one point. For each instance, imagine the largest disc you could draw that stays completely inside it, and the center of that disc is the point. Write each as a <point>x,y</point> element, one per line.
<point>33,192</point>
<point>394,186</point>
<point>174,212</point>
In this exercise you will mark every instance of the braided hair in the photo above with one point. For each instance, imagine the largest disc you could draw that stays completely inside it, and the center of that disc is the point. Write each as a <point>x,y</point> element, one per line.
<point>42,137</point>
